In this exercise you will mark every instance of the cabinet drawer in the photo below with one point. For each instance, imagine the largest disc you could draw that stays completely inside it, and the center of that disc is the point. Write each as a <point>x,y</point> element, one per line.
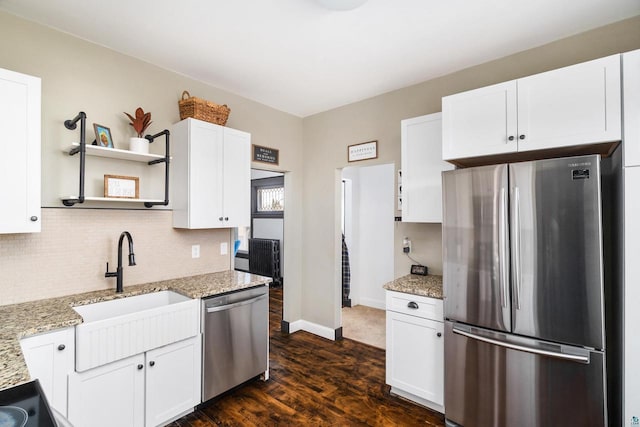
<point>415,305</point>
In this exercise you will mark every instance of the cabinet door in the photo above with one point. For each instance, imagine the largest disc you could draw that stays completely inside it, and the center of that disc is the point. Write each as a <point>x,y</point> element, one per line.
<point>173,381</point>
<point>111,395</point>
<point>574,105</point>
<point>631,90</point>
<point>422,165</point>
<point>631,368</point>
<point>205,175</point>
<point>19,152</point>
<point>479,122</point>
<point>50,358</point>
<point>237,178</point>
<point>415,356</point>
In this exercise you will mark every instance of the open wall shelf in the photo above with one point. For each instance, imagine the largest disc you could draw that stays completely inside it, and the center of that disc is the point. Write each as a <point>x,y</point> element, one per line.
<point>115,153</point>
<point>94,150</point>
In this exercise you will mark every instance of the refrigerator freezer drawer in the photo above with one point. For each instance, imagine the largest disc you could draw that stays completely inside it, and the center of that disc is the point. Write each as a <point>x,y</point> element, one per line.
<point>491,381</point>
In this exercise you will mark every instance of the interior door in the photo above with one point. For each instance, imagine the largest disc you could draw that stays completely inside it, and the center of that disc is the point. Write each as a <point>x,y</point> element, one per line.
<point>557,250</point>
<point>475,247</point>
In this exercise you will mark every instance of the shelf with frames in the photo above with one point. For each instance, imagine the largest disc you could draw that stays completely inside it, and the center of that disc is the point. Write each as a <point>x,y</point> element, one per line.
<point>83,149</point>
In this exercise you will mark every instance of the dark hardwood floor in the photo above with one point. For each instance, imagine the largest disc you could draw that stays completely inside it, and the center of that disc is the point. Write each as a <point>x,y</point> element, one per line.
<point>313,381</point>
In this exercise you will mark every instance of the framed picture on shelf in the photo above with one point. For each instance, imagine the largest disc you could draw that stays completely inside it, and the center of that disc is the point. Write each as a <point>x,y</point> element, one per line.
<point>103,136</point>
<point>121,187</point>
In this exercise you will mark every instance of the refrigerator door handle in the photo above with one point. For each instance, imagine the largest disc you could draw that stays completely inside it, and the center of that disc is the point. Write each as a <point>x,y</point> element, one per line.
<point>516,247</point>
<point>517,347</point>
<point>504,244</point>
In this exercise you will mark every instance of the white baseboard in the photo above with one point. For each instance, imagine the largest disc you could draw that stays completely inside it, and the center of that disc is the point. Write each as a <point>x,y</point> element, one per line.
<point>322,331</point>
<point>419,400</point>
<point>370,302</point>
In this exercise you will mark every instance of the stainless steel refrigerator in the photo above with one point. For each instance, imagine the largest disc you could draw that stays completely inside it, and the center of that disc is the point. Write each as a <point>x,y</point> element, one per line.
<point>524,248</point>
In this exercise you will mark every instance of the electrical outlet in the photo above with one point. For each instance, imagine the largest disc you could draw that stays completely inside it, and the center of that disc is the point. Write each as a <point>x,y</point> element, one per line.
<point>406,245</point>
<point>195,251</point>
<point>224,248</point>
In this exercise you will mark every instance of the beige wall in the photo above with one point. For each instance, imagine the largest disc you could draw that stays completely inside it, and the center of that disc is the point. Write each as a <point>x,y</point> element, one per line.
<point>327,135</point>
<point>77,75</point>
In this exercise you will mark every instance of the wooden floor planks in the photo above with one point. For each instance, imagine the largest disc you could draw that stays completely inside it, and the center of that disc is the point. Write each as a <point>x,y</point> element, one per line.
<point>313,381</point>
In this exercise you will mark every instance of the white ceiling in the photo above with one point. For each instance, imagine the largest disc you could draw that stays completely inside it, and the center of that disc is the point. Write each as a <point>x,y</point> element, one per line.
<point>299,57</point>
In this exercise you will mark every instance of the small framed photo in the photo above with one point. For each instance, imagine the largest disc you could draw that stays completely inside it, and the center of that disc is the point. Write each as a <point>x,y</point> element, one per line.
<point>121,187</point>
<point>103,136</point>
<point>362,151</point>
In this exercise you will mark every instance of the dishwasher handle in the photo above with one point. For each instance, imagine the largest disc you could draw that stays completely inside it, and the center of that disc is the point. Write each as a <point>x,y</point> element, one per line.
<point>236,304</point>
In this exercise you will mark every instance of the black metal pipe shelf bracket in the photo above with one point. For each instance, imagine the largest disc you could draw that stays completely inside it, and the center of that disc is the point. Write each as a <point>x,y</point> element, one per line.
<point>71,125</point>
<point>166,161</point>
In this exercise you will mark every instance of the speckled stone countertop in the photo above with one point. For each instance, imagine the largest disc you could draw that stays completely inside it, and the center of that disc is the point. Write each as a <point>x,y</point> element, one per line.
<point>20,320</point>
<point>427,286</point>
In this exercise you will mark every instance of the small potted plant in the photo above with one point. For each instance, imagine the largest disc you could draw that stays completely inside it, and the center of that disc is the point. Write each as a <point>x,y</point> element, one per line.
<point>140,123</point>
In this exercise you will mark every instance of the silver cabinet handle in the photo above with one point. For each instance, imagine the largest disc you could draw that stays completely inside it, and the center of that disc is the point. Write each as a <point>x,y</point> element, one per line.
<point>34,218</point>
<point>61,347</point>
<point>517,347</point>
<point>235,304</point>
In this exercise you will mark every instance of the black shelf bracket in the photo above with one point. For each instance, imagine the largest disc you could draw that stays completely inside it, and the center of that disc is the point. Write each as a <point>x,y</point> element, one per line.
<point>72,124</point>
<point>166,161</point>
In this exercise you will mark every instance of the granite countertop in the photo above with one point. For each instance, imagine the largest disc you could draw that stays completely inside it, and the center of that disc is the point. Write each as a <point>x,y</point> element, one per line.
<point>30,318</point>
<point>427,286</point>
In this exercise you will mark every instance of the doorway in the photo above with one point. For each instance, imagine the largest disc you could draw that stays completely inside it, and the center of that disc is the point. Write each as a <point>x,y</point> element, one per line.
<point>367,210</point>
<point>258,247</point>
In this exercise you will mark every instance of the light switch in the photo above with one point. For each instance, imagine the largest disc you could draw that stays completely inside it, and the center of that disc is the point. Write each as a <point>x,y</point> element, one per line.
<point>224,248</point>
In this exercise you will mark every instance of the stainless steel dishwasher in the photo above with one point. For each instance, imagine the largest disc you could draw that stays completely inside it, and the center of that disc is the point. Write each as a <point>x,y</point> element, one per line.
<point>235,342</point>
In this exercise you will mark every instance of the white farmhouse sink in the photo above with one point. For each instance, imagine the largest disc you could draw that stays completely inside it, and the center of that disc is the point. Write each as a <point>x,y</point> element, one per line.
<point>113,330</point>
<point>120,307</point>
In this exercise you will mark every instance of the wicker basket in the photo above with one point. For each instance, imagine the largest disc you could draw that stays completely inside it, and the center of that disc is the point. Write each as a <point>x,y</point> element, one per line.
<point>200,109</point>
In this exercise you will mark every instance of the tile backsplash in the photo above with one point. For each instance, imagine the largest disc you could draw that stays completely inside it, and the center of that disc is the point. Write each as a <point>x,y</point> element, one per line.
<point>70,254</point>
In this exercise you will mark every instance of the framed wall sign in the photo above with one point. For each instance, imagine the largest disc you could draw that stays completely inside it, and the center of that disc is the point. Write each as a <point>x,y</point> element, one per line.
<point>122,187</point>
<point>362,151</point>
<point>265,154</point>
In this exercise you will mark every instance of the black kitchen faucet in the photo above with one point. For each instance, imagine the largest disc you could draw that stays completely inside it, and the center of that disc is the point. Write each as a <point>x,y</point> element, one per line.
<point>132,261</point>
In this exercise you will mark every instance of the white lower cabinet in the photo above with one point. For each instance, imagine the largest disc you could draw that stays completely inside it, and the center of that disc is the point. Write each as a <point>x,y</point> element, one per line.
<point>173,381</point>
<point>148,389</point>
<point>110,395</point>
<point>415,349</point>
<point>50,358</point>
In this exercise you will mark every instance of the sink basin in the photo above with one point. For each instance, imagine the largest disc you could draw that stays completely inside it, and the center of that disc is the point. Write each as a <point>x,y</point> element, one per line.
<point>116,329</point>
<point>123,306</point>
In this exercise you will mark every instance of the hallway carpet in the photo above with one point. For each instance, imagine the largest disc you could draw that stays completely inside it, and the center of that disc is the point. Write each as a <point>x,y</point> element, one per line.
<point>364,324</point>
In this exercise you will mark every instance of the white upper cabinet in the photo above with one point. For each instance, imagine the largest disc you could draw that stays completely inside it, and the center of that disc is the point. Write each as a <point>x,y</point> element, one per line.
<point>211,176</point>
<point>571,106</point>
<point>631,89</point>
<point>422,166</point>
<point>480,122</point>
<point>19,152</point>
